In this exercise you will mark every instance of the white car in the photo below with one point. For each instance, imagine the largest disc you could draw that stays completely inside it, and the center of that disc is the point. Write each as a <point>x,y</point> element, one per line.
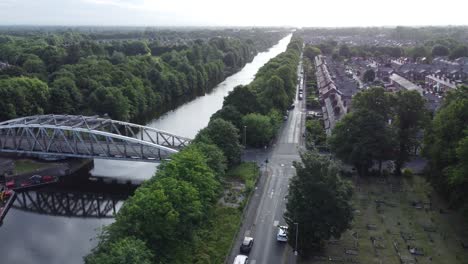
<point>282,235</point>
<point>241,259</point>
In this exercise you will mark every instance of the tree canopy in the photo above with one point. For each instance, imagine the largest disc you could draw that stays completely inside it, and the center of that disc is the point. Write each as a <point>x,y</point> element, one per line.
<point>318,201</point>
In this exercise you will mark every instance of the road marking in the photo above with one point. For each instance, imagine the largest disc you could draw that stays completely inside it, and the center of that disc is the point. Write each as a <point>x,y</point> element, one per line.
<point>275,223</point>
<point>272,192</point>
<point>282,165</point>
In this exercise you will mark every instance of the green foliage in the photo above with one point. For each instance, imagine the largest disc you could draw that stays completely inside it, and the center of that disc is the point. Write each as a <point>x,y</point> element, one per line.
<point>124,78</point>
<point>388,128</point>
<point>214,157</point>
<point>407,173</point>
<point>445,145</point>
<point>22,96</point>
<point>247,172</point>
<point>225,136</point>
<point>460,51</point>
<point>123,251</point>
<point>318,201</point>
<point>360,138</point>
<point>410,117</point>
<point>229,113</point>
<point>369,75</point>
<point>259,129</point>
<point>190,166</point>
<point>440,50</point>
<point>311,51</point>
<point>315,133</point>
<point>243,99</point>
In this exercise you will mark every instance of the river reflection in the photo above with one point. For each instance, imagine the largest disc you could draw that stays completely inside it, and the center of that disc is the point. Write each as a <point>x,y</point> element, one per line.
<point>30,236</point>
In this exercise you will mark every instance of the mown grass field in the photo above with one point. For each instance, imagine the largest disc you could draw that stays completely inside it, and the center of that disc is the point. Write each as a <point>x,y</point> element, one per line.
<point>391,215</point>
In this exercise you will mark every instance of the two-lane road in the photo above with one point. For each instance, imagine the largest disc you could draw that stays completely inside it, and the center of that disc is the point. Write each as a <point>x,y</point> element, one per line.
<point>266,208</point>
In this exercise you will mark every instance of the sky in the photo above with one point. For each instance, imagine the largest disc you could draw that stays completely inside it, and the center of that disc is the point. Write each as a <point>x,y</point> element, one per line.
<point>298,13</point>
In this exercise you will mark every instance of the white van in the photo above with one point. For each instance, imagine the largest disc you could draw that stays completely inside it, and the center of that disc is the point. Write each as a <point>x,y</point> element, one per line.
<point>241,259</point>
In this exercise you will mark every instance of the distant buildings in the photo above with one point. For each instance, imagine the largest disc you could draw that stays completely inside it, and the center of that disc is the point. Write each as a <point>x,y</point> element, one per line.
<point>402,83</point>
<point>335,91</point>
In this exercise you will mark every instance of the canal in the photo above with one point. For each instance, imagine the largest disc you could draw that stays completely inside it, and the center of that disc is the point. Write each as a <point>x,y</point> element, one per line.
<point>39,237</point>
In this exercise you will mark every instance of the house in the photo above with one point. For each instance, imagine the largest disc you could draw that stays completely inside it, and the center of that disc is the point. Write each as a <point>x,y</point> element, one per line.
<point>439,84</point>
<point>402,83</point>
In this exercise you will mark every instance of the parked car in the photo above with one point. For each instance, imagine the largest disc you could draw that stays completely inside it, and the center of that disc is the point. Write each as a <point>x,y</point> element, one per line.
<point>246,245</point>
<point>291,107</point>
<point>282,235</point>
<point>241,259</point>
<point>35,179</point>
<point>10,184</point>
<point>47,178</point>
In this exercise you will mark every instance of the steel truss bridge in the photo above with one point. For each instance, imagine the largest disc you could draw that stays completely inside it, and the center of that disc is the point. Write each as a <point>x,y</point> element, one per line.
<point>82,205</point>
<point>87,137</point>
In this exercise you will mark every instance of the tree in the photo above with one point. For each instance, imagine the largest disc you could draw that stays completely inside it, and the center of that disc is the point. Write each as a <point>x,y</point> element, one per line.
<point>259,129</point>
<point>133,48</point>
<point>214,157</point>
<point>316,132</point>
<point>440,50</point>
<point>110,100</point>
<point>243,99</point>
<point>318,201</point>
<point>460,51</point>
<point>374,99</point>
<point>410,113</point>
<point>190,165</point>
<point>344,51</point>
<point>369,75</point>
<point>127,250</point>
<point>65,95</point>
<point>445,144</point>
<point>229,113</point>
<point>311,51</point>
<point>224,135</point>
<point>361,138</point>
<point>274,95</point>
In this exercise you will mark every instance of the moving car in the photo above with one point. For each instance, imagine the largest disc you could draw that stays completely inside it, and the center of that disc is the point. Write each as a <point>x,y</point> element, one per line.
<point>241,259</point>
<point>246,245</point>
<point>282,235</point>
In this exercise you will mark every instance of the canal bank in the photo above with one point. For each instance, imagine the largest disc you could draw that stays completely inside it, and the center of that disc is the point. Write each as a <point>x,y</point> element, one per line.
<point>36,238</point>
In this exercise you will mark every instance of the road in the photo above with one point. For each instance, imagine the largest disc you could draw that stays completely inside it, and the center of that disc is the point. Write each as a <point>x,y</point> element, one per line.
<point>268,203</point>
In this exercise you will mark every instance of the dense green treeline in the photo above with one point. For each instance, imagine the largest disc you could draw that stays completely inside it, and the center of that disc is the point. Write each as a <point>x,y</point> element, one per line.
<point>446,147</point>
<point>258,108</point>
<point>128,80</point>
<point>167,218</point>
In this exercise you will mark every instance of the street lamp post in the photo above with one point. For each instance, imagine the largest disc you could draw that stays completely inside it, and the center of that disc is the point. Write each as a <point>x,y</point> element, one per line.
<point>297,233</point>
<point>245,136</point>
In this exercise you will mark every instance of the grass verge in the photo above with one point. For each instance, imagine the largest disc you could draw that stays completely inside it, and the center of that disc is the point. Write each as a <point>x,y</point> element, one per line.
<point>24,166</point>
<point>214,241</point>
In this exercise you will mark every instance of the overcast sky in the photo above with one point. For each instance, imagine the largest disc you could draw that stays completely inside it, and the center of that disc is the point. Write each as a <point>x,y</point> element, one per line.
<point>318,13</point>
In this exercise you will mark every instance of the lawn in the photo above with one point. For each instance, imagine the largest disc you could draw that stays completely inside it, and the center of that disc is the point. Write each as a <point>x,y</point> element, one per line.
<point>392,215</point>
<point>24,166</point>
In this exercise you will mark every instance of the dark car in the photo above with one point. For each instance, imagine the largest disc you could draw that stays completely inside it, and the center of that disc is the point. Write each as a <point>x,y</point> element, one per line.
<point>247,245</point>
<point>291,107</point>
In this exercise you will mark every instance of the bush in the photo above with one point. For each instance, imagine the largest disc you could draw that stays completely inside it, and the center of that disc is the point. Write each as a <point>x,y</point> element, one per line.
<point>407,172</point>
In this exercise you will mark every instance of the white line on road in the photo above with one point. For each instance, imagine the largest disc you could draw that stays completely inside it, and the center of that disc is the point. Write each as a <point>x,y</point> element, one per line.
<point>275,223</point>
